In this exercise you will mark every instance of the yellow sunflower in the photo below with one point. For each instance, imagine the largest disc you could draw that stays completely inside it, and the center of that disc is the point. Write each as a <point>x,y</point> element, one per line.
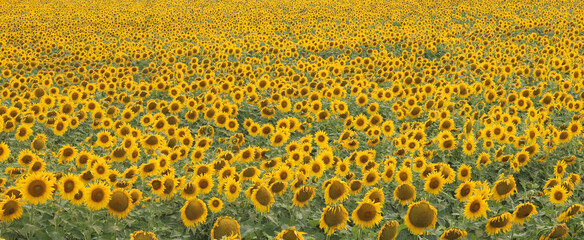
<point>464,190</point>
<point>193,213</point>
<point>404,194</point>
<point>290,234</point>
<point>420,216</point>
<point>262,198</point>
<point>37,187</point>
<point>453,234</point>
<point>141,235</point>
<point>389,231</point>
<point>11,209</point>
<point>434,183</point>
<point>4,151</point>
<point>367,214</point>
<point>69,186</point>
<point>570,212</point>
<point>499,223</point>
<point>333,218</point>
<point>503,188</point>
<point>215,204</point>
<point>225,227</point>
<point>559,231</point>
<point>120,203</point>
<point>476,207</point>
<point>523,212</point>
<point>302,196</point>
<point>97,196</point>
<point>558,194</point>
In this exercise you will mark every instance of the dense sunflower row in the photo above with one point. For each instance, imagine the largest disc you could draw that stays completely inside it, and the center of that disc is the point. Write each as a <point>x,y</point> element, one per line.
<point>291,119</point>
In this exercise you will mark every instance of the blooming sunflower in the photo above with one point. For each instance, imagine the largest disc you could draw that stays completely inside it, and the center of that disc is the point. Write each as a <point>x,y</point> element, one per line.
<point>523,212</point>
<point>434,183</point>
<point>37,187</point>
<point>105,139</point>
<point>232,189</point>
<point>141,235</point>
<point>404,175</point>
<point>97,195</point>
<point>333,218</point>
<point>464,190</point>
<point>502,222</point>
<point>11,208</point>
<point>215,204</point>
<point>476,207</point>
<point>70,185</point>
<point>4,151</point>
<point>420,216</point>
<point>388,231</point>
<point>193,213</point>
<point>558,194</point>
<point>464,172</point>
<point>225,227</point>
<point>376,195</point>
<point>204,183</point>
<point>367,214</point>
<point>38,143</point>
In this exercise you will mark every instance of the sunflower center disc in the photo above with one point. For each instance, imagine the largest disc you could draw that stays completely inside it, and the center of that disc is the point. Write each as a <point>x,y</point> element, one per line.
<point>500,222</point>
<point>194,210</point>
<point>37,188</point>
<point>366,212</point>
<point>119,202</point>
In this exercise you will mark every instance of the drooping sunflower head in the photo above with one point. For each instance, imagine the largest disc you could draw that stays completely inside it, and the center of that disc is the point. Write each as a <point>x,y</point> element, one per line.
<point>141,235</point>
<point>302,196</point>
<point>335,191</point>
<point>499,223</point>
<point>523,212</point>
<point>388,231</point>
<point>11,209</point>
<point>262,198</point>
<point>333,218</point>
<point>503,188</point>
<point>453,234</point>
<point>290,234</point>
<point>420,216</point>
<point>224,227</point>
<point>559,231</point>
<point>570,212</point>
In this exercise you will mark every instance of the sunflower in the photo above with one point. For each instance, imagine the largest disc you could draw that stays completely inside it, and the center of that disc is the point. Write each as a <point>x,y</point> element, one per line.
<point>97,196</point>
<point>302,196</point>
<point>232,189</point>
<point>70,185</point>
<point>389,231</point>
<point>120,203</point>
<point>333,218</point>
<point>502,222</point>
<point>570,212</point>
<point>136,196</point>
<point>367,214</point>
<point>67,153</point>
<point>434,183</point>
<point>39,142</point>
<point>11,209</point>
<point>169,189</point>
<point>559,231</point>
<point>26,157</point>
<point>225,227</point>
<point>204,183</point>
<point>464,190</point>
<point>316,168</point>
<point>464,172</point>
<point>193,213</point>
<point>149,168</point>
<point>405,193</point>
<point>335,191</point>
<point>215,204</point>
<point>23,133</point>
<point>476,207</point>
<point>420,215</point>
<point>558,194</point>
<point>4,151</point>
<point>483,160</point>
<point>404,175</point>
<point>279,138</point>
<point>105,139</point>
<point>376,195</point>
<point>141,235</point>
<point>453,234</point>
<point>469,146</point>
<point>355,186</point>
<point>100,169</point>
<point>262,199</point>
<point>503,188</point>
<point>152,141</point>
<point>290,234</point>
<point>560,169</point>
<point>523,212</point>
<point>37,187</point>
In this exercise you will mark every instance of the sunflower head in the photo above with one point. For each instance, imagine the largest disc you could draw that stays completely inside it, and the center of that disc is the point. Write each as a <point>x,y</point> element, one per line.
<point>420,216</point>
<point>388,231</point>
<point>193,212</point>
<point>503,188</point>
<point>453,234</point>
<point>37,187</point>
<point>302,196</point>
<point>120,203</point>
<point>570,212</point>
<point>367,214</point>
<point>499,223</point>
<point>559,231</point>
<point>224,227</point>
<point>523,212</point>
<point>262,198</point>
<point>290,234</point>
<point>11,209</point>
<point>141,235</point>
<point>404,193</point>
<point>333,218</point>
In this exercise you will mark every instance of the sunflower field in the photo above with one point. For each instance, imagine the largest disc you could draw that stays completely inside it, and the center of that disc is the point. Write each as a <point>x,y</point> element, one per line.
<point>280,119</point>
